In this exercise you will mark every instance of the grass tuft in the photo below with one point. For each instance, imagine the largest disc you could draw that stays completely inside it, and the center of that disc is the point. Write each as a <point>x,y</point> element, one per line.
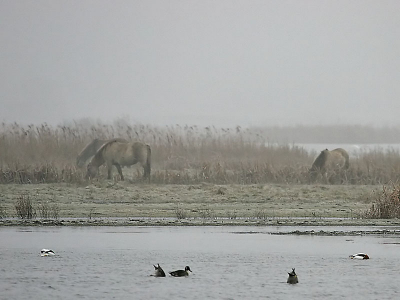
<point>387,204</point>
<point>180,213</point>
<point>24,207</point>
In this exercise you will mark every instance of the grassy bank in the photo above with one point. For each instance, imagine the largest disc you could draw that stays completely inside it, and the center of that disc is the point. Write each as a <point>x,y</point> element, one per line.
<point>203,201</point>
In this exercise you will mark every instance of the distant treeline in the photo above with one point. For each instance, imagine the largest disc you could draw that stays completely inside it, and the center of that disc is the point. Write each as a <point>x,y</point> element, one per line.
<point>331,134</point>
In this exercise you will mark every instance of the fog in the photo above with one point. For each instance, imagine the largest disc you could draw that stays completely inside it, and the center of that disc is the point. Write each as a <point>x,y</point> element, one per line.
<point>222,63</point>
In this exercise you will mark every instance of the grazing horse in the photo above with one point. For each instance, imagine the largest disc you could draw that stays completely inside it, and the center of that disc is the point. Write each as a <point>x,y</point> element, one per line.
<point>335,159</point>
<point>120,154</point>
<point>91,149</point>
<point>330,165</point>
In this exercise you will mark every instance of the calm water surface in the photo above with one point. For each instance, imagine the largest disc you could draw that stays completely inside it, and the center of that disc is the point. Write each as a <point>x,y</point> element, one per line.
<point>353,149</point>
<point>227,263</point>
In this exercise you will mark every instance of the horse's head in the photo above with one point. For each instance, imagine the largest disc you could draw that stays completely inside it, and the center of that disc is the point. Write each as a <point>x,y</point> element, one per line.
<point>79,162</point>
<point>91,171</point>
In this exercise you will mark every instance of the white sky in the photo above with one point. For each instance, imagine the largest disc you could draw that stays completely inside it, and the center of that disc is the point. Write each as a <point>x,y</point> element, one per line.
<point>219,62</point>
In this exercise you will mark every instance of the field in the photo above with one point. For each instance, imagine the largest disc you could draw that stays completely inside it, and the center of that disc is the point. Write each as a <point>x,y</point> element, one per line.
<point>198,174</point>
<point>100,202</point>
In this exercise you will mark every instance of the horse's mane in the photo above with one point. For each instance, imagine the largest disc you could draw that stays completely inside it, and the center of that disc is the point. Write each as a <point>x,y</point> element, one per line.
<point>84,150</point>
<point>104,146</point>
<point>88,151</point>
<point>91,149</point>
<point>98,157</point>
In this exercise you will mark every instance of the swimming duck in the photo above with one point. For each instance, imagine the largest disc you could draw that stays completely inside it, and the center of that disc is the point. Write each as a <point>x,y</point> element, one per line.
<point>292,279</point>
<point>159,272</point>
<point>359,256</point>
<point>180,273</point>
<point>46,252</point>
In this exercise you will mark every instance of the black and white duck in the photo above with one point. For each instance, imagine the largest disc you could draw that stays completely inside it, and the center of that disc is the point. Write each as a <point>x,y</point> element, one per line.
<point>158,271</point>
<point>292,279</point>
<point>181,273</point>
<point>47,252</point>
<point>359,256</point>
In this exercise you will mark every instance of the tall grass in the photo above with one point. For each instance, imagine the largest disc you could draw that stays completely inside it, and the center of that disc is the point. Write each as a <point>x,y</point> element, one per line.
<point>24,207</point>
<point>386,205</point>
<point>180,154</point>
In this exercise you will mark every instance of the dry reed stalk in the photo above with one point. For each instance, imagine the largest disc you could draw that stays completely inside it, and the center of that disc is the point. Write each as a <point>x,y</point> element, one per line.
<point>387,205</point>
<point>180,155</point>
<point>24,207</point>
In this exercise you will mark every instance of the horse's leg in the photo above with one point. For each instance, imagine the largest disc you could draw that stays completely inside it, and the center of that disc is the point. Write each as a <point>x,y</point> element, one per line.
<point>109,170</point>
<point>326,176</point>
<point>119,171</point>
<point>144,172</point>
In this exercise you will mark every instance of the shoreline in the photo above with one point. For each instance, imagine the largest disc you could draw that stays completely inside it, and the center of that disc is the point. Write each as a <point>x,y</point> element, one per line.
<point>358,226</point>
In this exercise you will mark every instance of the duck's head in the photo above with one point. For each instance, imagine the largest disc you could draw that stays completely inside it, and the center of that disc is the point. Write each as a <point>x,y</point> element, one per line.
<point>187,268</point>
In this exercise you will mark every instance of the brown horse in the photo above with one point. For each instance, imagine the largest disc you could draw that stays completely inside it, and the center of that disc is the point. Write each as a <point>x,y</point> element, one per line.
<point>331,160</point>
<point>91,149</point>
<point>120,154</point>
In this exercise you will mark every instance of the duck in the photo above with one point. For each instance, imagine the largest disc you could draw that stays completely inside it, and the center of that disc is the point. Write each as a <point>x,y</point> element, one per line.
<point>47,252</point>
<point>292,279</point>
<point>359,256</point>
<point>159,272</point>
<point>181,273</point>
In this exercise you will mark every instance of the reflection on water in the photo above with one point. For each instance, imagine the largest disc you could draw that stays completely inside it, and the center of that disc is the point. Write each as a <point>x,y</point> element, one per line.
<point>227,263</point>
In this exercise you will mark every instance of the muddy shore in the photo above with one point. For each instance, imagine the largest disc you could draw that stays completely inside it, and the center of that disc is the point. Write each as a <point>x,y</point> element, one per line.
<point>106,203</point>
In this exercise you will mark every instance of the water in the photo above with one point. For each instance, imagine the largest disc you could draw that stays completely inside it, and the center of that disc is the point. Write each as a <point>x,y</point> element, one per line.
<point>353,149</point>
<point>227,263</point>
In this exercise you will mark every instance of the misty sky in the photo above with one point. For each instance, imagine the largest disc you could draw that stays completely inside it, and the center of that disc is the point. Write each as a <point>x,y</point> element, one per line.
<point>222,63</point>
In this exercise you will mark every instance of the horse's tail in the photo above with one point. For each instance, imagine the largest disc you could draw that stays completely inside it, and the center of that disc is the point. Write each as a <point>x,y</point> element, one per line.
<point>346,157</point>
<point>347,162</point>
<point>147,168</point>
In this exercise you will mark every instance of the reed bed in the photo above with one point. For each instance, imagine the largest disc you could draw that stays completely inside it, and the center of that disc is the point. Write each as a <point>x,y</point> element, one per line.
<point>180,155</point>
